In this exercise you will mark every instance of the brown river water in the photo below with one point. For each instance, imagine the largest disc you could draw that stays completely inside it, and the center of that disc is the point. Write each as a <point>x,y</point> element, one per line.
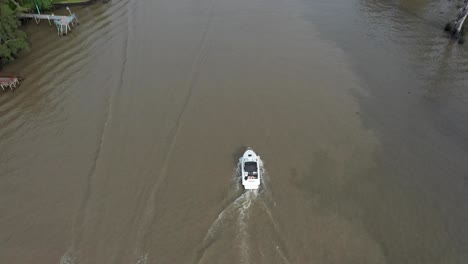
<point>121,145</point>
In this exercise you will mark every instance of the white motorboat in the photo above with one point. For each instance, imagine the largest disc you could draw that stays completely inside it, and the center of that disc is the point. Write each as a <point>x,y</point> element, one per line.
<point>250,166</point>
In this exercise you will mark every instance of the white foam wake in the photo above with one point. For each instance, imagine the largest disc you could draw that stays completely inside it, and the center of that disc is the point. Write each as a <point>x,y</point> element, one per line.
<point>142,259</point>
<point>236,211</point>
<point>68,258</point>
<point>242,223</point>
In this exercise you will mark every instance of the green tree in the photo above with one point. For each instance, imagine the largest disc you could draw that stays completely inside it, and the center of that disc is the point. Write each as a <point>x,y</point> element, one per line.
<point>12,39</point>
<point>42,4</point>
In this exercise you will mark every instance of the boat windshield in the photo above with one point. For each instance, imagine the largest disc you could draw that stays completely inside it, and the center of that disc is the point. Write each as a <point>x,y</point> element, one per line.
<point>250,167</point>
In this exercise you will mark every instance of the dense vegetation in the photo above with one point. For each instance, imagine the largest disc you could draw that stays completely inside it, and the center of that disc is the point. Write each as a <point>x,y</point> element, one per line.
<point>12,39</point>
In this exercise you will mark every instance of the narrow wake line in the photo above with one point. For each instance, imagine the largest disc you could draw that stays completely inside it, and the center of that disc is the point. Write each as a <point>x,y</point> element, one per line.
<point>279,248</point>
<point>70,255</point>
<point>242,219</point>
<point>149,214</point>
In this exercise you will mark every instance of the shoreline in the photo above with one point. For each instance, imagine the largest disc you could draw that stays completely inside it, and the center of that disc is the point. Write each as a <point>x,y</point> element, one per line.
<point>55,6</point>
<point>73,3</point>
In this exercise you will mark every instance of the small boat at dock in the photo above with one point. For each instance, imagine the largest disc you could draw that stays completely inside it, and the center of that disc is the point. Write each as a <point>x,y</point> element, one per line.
<point>10,82</point>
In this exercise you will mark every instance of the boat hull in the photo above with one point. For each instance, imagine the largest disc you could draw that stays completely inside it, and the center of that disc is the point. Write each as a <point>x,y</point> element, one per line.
<point>250,167</point>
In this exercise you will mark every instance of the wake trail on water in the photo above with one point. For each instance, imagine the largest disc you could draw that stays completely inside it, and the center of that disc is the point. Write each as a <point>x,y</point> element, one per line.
<point>149,214</point>
<point>71,255</point>
<point>237,214</point>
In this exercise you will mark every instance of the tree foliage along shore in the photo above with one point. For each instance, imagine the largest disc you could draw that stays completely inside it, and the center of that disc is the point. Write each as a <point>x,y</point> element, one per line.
<point>42,4</point>
<point>12,39</point>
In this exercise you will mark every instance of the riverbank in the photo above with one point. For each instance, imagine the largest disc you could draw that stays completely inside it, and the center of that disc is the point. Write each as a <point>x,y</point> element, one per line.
<point>65,3</point>
<point>14,40</point>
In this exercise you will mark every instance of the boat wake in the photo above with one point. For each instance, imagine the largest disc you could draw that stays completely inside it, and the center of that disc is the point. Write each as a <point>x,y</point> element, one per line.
<point>236,212</point>
<point>68,258</point>
<point>233,226</point>
<point>142,259</point>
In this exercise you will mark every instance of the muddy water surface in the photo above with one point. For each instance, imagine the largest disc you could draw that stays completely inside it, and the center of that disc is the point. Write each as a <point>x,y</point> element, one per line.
<point>121,146</point>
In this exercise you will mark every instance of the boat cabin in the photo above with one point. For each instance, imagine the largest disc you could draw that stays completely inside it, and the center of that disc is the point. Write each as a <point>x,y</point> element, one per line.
<point>251,168</point>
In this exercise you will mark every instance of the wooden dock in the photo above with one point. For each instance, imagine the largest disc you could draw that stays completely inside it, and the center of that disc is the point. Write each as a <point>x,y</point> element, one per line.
<point>63,23</point>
